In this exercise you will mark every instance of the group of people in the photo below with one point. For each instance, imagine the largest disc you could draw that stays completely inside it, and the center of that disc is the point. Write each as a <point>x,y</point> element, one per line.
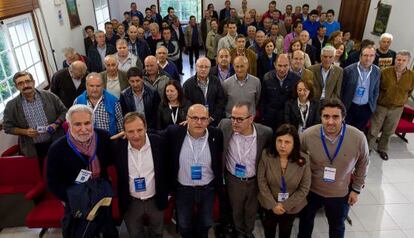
<point>271,122</point>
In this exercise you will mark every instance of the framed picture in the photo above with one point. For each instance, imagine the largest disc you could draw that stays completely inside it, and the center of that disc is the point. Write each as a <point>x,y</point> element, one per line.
<point>73,13</point>
<point>381,21</point>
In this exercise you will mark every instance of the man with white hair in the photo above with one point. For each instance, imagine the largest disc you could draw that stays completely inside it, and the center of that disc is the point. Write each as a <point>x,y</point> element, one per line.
<point>107,113</point>
<point>165,64</point>
<point>385,56</point>
<point>80,156</point>
<point>68,83</point>
<point>97,53</point>
<point>206,89</point>
<point>114,80</point>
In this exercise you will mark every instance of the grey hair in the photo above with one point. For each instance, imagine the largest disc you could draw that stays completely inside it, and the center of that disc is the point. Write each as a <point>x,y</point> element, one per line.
<point>94,74</point>
<point>161,47</point>
<point>99,32</point>
<point>78,108</point>
<point>203,59</point>
<point>121,42</point>
<point>386,36</point>
<point>109,57</point>
<point>404,53</point>
<point>250,27</point>
<point>328,48</point>
<point>245,104</point>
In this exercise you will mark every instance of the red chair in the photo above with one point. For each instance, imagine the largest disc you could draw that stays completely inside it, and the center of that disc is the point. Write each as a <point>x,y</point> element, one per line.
<point>12,151</point>
<point>19,174</point>
<point>48,211</point>
<point>406,124</point>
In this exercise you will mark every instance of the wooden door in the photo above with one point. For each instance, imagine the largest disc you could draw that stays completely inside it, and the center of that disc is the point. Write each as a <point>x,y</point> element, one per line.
<point>353,17</point>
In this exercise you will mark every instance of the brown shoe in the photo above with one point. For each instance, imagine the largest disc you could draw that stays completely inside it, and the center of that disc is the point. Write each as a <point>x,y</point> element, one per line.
<point>383,155</point>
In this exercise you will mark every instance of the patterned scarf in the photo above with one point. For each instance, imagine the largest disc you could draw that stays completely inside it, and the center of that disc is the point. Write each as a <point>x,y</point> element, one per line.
<point>88,149</point>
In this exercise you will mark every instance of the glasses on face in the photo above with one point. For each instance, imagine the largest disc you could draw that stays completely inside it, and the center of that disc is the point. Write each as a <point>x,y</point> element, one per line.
<point>239,119</point>
<point>201,119</point>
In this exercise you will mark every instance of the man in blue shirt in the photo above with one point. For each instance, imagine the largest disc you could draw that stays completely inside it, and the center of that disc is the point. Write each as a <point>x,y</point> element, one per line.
<point>330,24</point>
<point>311,25</point>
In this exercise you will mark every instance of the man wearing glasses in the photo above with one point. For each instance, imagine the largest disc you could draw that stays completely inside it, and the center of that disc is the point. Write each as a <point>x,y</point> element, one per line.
<point>244,142</point>
<point>206,89</point>
<point>196,156</point>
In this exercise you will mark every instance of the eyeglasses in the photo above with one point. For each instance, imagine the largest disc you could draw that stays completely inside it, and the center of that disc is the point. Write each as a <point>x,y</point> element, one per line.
<point>201,119</point>
<point>239,119</point>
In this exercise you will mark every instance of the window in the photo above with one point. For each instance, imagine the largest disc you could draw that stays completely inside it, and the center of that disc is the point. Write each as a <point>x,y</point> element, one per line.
<point>101,13</point>
<point>183,9</point>
<point>19,51</point>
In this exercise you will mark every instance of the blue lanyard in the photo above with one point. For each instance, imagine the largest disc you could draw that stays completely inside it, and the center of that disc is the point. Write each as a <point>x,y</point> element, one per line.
<point>338,148</point>
<point>77,151</point>
<point>283,188</point>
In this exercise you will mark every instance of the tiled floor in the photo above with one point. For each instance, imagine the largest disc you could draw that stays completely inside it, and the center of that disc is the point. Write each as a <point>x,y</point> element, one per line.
<point>385,208</point>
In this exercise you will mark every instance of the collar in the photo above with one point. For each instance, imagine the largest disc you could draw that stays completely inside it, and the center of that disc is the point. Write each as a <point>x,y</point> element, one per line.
<point>334,139</point>
<point>243,80</point>
<point>254,134</point>
<point>163,66</point>
<point>202,82</point>
<point>145,147</point>
<point>362,68</point>
<point>204,137</point>
<point>35,97</point>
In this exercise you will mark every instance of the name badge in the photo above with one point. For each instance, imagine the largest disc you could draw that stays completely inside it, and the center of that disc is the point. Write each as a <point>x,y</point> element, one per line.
<point>240,171</point>
<point>139,184</point>
<point>329,174</point>
<point>196,172</point>
<point>41,129</point>
<point>281,197</point>
<point>83,176</point>
<point>360,91</point>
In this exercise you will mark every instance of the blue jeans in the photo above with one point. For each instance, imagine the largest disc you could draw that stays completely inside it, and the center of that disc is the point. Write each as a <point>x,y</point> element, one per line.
<point>194,210</point>
<point>336,211</point>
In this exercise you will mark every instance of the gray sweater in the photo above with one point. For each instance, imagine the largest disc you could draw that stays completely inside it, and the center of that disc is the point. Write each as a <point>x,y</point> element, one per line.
<point>250,92</point>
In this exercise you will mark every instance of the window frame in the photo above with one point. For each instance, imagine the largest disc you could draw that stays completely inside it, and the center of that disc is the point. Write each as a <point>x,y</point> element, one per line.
<point>37,40</point>
<point>184,22</point>
<point>94,12</point>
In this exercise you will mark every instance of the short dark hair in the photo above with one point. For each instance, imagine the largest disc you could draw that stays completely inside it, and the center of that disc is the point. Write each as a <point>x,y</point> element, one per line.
<point>335,103</point>
<point>239,36</point>
<point>165,29</point>
<point>321,27</point>
<point>294,41</point>
<point>21,74</point>
<point>287,129</point>
<point>134,71</point>
<point>108,23</point>
<point>308,85</point>
<point>192,16</point>
<point>169,8</point>
<point>296,24</point>
<point>314,12</point>
<point>148,9</point>
<point>366,42</point>
<point>127,13</point>
<point>213,19</point>
<point>330,11</point>
<point>246,104</point>
<point>305,5</point>
<point>231,22</point>
<point>132,116</point>
<point>267,41</point>
<point>153,5</point>
<point>179,89</point>
<point>89,27</point>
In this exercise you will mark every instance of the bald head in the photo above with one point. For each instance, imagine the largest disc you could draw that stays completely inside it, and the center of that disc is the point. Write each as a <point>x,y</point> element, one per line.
<point>282,66</point>
<point>151,67</point>
<point>111,65</point>
<point>78,69</point>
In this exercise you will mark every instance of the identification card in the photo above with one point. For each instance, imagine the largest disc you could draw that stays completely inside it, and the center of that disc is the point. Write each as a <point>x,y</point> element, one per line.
<point>360,91</point>
<point>41,129</point>
<point>139,184</point>
<point>240,171</point>
<point>196,172</point>
<point>281,197</point>
<point>329,174</point>
<point>83,176</point>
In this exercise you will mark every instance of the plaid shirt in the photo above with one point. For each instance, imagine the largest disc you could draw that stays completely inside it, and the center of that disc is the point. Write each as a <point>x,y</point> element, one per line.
<point>101,116</point>
<point>35,116</point>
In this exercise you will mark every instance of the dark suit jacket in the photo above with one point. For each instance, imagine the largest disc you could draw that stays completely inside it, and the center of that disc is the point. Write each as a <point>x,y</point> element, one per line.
<point>214,71</point>
<point>311,51</point>
<point>216,100</point>
<point>151,100</point>
<point>333,82</point>
<point>122,78</point>
<point>176,134</point>
<point>222,15</point>
<point>161,171</point>
<point>264,65</point>
<point>142,48</point>
<point>164,115</point>
<point>274,97</point>
<point>264,137</point>
<point>350,83</point>
<point>95,62</point>
<point>318,46</point>
<point>292,113</point>
<point>63,87</point>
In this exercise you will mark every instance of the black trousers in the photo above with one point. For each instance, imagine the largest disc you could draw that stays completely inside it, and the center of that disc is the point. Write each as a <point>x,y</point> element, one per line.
<point>271,220</point>
<point>41,151</point>
<point>193,51</point>
<point>358,116</point>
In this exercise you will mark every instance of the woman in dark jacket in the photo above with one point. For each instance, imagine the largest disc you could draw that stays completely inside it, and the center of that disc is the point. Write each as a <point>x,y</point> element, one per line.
<point>266,61</point>
<point>173,109</point>
<point>302,111</point>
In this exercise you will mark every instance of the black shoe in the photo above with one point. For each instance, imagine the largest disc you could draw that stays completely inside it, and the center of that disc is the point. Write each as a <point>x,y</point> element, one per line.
<point>383,155</point>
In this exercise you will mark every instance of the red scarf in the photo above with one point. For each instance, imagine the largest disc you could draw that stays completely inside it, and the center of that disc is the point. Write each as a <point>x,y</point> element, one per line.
<point>88,149</point>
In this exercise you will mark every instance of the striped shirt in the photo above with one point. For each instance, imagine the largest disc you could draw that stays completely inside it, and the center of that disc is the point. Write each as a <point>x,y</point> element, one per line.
<point>242,150</point>
<point>195,152</point>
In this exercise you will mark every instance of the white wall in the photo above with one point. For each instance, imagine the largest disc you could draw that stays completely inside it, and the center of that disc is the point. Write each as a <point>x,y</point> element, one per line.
<point>61,35</point>
<point>331,4</point>
<point>401,13</point>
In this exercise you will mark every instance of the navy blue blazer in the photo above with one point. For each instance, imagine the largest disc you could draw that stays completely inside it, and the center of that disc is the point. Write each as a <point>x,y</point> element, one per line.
<point>350,83</point>
<point>175,135</point>
<point>161,171</point>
